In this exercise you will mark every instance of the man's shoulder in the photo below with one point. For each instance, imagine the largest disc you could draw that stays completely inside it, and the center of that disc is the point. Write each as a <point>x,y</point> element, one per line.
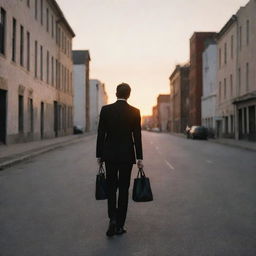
<point>106,107</point>
<point>136,110</point>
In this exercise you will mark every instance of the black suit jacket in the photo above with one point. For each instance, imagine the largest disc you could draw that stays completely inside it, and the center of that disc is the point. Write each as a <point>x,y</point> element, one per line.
<point>119,133</point>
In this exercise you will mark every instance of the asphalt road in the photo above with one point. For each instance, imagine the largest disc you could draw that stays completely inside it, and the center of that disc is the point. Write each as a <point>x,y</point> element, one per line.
<point>204,203</point>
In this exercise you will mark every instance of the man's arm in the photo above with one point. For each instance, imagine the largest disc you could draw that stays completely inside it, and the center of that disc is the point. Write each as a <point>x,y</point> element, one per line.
<point>101,135</point>
<point>137,136</point>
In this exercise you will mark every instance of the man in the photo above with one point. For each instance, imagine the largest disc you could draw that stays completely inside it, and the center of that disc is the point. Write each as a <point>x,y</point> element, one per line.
<point>119,145</point>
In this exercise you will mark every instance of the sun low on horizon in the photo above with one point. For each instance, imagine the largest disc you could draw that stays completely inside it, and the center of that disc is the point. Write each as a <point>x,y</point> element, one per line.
<point>141,42</point>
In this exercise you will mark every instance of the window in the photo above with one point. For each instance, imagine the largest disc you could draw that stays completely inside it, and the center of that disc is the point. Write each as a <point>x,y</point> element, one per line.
<point>219,91</point>
<point>28,3</point>
<point>225,53</point>
<point>219,58</point>
<point>239,80</point>
<point>232,124</point>
<point>240,37</point>
<point>41,62</point>
<point>52,71</point>
<point>21,114</point>
<point>36,9</point>
<point>225,88</point>
<point>42,12</point>
<point>14,27</point>
<point>247,32</point>
<point>231,86</point>
<point>36,52</point>
<point>2,30</point>
<point>247,77</point>
<point>28,51</point>
<point>47,20</point>
<point>232,47</point>
<point>52,26</point>
<point>47,67</point>
<point>21,45</point>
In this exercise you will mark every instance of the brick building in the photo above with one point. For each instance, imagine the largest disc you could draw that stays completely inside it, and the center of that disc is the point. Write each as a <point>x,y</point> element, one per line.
<point>197,46</point>
<point>36,100</point>
<point>179,98</point>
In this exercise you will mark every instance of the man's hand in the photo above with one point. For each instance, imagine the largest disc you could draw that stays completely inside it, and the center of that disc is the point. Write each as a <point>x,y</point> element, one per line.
<point>140,164</point>
<point>99,161</point>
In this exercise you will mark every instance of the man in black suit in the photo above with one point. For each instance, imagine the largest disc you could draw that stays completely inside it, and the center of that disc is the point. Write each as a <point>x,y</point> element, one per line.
<point>119,145</point>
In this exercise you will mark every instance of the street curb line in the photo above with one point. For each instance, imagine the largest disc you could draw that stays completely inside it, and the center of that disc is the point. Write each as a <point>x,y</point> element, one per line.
<point>34,153</point>
<point>219,142</point>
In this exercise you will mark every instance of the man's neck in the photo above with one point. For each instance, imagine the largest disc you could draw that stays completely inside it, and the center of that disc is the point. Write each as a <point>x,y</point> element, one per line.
<point>121,99</point>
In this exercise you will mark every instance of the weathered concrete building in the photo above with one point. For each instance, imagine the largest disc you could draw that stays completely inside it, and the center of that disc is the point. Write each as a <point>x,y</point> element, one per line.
<point>179,98</point>
<point>197,45</point>
<point>98,98</point>
<point>81,73</point>
<point>36,98</point>
<point>226,78</point>
<point>163,111</point>
<point>209,86</point>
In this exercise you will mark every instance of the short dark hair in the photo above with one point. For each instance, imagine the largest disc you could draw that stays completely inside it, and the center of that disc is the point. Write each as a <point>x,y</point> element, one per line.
<point>123,91</point>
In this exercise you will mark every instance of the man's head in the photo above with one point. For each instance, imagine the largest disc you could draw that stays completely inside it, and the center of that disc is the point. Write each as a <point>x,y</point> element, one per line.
<point>123,91</point>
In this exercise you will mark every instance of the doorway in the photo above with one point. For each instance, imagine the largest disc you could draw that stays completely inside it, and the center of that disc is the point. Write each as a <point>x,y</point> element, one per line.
<point>3,116</point>
<point>56,118</point>
<point>42,121</point>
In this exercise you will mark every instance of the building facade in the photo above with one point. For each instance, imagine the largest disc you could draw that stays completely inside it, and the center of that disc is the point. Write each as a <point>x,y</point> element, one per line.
<point>245,100</point>
<point>226,79</point>
<point>209,86</point>
<point>197,46</point>
<point>179,98</point>
<point>163,112</point>
<point>81,70</point>
<point>98,98</point>
<point>36,95</point>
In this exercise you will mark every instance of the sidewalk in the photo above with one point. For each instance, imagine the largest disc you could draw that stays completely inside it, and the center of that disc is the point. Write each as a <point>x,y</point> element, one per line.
<point>249,145</point>
<point>15,153</point>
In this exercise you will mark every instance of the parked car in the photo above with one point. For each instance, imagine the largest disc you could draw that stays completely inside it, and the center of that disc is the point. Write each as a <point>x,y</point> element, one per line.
<point>156,129</point>
<point>78,130</point>
<point>198,132</point>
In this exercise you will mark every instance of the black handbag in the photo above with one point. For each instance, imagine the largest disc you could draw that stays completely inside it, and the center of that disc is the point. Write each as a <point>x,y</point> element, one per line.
<point>101,184</point>
<point>141,188</point>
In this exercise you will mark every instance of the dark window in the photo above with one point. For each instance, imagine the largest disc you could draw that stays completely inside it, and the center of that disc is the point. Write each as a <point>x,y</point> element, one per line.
<point>240,37</point>
<point>21,45</point>
<point>47,67</point>
<point>226,125</point>
<point>247,32</point>
<point>225,88</point>
<point>14,27</point>
<point>21,113</point>
<point>232,124</point>
<point>47,20</point>
<point>36,9</point>
<point>231,86</point>
<point>2,30</point>
<point>52,71</point>
<point>232,47</point>
<point>239,80</point>
<point>247,77</point>
<point>31,115</point>
<point>219,58</point>
<point>28,50</point>
<point>36,52</point>
<point>42,11</point>
<point>225,53</point>
<point>28,3</point>
<point>52,26</point>
<point>41,63</point>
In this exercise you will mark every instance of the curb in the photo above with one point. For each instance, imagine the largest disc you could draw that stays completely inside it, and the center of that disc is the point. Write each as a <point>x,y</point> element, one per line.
<point>39,151</point>
<point>216,141</point>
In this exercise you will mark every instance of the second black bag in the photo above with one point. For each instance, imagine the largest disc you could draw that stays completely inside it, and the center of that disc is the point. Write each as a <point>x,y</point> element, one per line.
<point>101,185</point>
<point>141,188</point>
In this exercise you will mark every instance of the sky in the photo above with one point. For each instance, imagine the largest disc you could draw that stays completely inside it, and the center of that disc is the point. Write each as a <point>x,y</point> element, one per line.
<point>140,42</point>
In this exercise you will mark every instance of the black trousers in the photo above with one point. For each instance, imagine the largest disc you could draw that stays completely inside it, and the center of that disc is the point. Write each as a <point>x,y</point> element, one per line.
<point>118,177</point>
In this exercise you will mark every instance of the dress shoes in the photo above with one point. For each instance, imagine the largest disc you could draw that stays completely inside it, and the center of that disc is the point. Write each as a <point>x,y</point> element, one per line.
<point>111,229</point>
<point>120,231</point>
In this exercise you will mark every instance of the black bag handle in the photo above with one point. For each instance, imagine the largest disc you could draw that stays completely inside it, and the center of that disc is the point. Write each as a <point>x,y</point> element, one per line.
<point>141,173</point>
<point>101,169</point>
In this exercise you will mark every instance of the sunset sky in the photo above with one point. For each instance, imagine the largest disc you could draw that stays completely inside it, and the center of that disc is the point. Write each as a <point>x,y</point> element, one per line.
<point>140,41</point>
